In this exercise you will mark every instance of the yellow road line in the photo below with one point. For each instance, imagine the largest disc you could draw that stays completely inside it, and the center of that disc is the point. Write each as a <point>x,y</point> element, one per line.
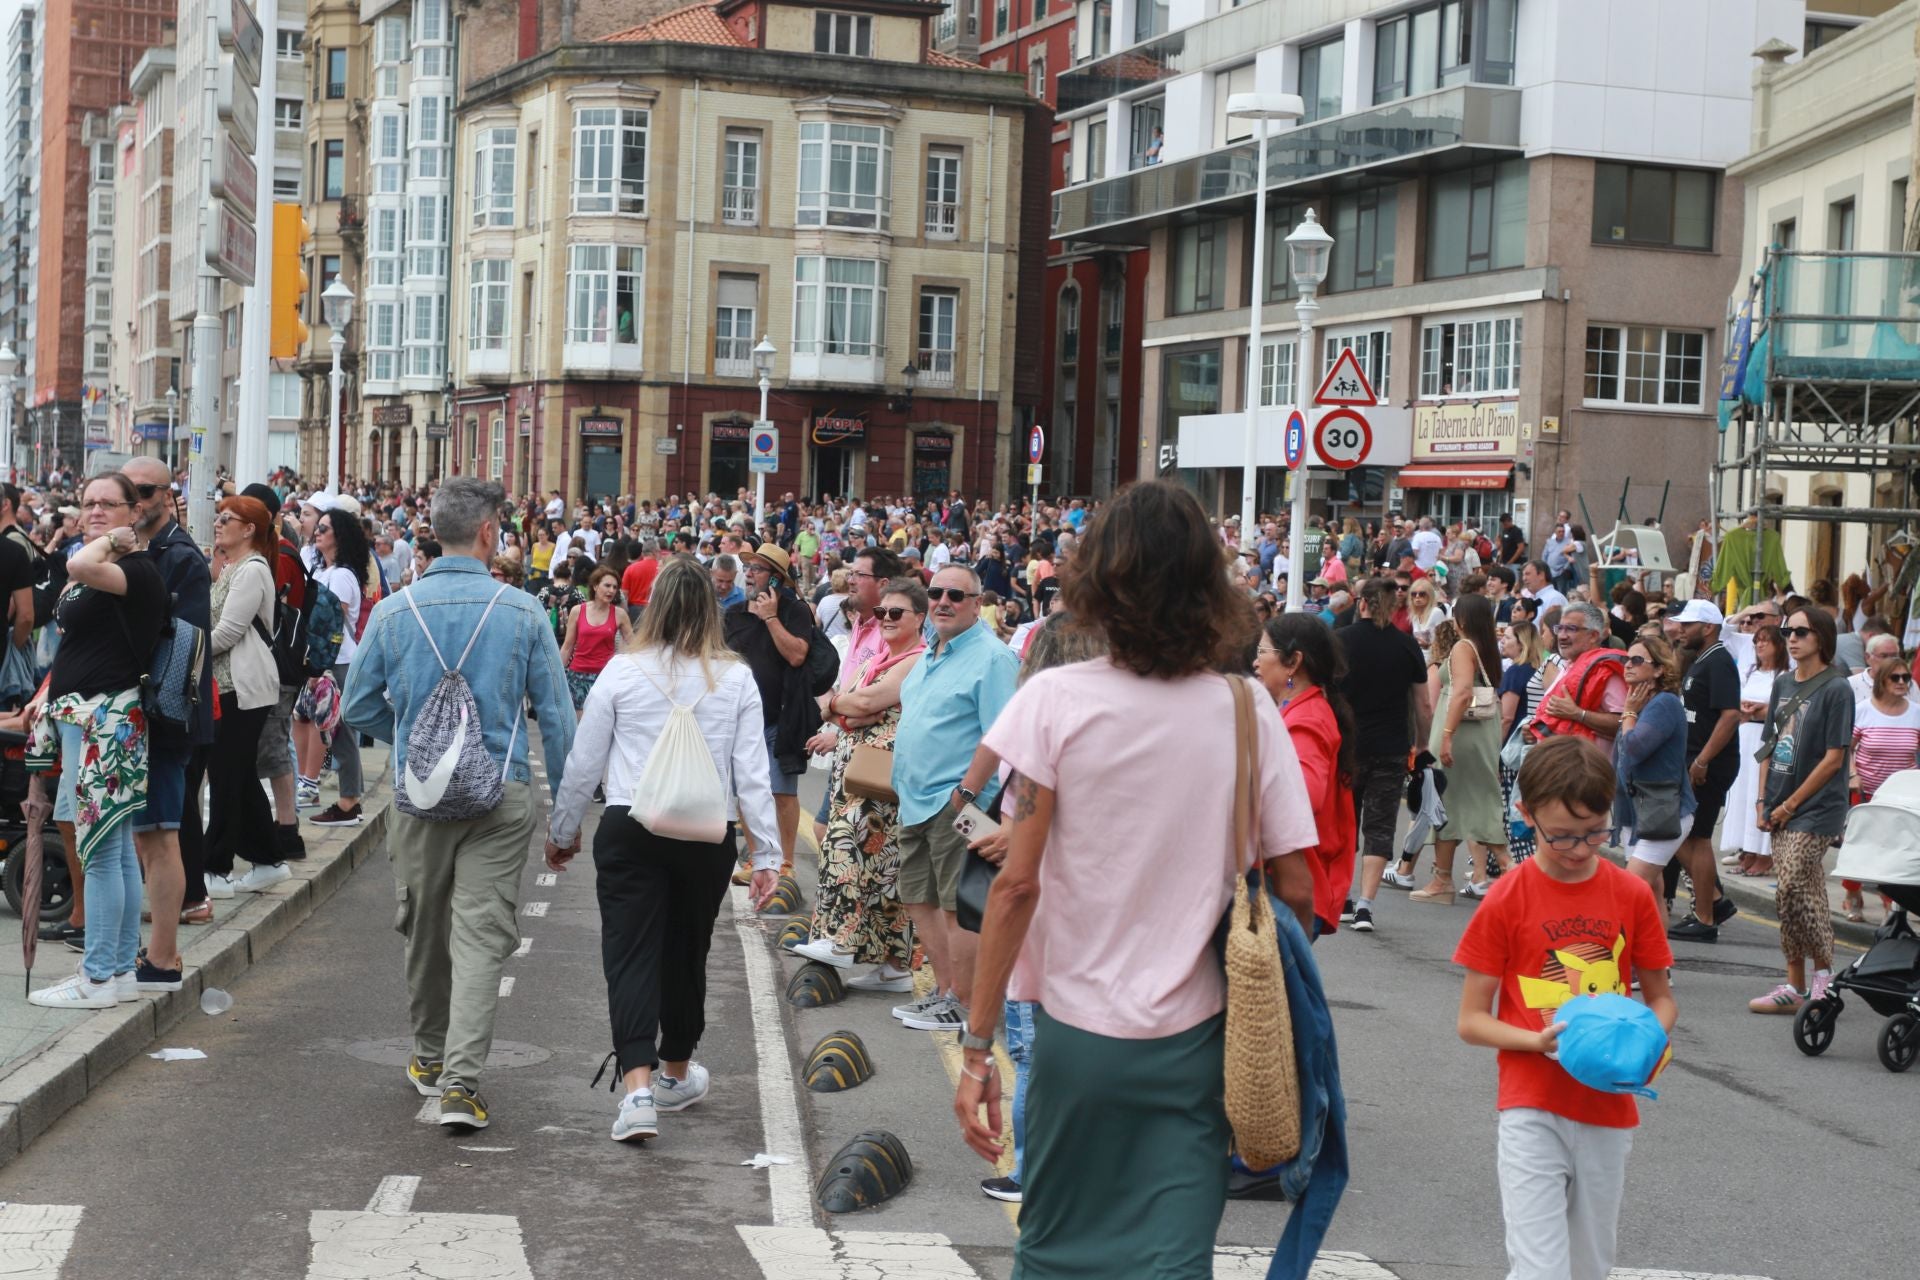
<point>1775,926</point>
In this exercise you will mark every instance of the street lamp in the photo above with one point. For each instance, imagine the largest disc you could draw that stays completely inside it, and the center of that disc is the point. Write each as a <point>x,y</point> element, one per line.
<point>763,354</point>
<point>1310,247</point>
<point>1259,108</point>
<point>173,408</point>
<point>9,365</point>
<point>337,302</point>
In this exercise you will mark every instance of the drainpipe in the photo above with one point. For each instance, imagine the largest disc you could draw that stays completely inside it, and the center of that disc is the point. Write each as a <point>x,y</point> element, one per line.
<point>986,241</point>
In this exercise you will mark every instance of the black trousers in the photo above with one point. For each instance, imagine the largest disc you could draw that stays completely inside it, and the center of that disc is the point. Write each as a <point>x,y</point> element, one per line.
<point>241,820</point>
<point>658,901</point>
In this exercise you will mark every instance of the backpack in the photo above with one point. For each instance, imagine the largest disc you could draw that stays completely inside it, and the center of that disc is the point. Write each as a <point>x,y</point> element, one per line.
<point>679,795</point>
<point>324,627</point>
<point>170,676</point>
<point>47,584</point>
<point>462,782</point>
<point>1483,549</point>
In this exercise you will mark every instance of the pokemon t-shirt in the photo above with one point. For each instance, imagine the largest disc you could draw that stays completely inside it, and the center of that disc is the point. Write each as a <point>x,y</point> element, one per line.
<point>1548,942</point>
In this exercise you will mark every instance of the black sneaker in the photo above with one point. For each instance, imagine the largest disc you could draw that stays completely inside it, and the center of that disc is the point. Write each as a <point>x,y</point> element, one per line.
<point>287,842</point>
<point>462,1108</point>
<point>1724,910</point>
<point>334,816</point>
<point>1362,921</point>
<point>73,935</point>
<point>148,976</point>
<point>1004,1189</point>
<point>1346,912</point>
<point>1691,930</point>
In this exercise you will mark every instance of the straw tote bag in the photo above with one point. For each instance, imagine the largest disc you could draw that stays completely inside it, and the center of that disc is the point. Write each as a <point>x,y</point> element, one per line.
<point>1263,1077</point>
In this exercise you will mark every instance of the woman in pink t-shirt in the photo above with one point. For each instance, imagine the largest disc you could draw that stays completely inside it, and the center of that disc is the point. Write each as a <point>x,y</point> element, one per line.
<point>1122,862</point>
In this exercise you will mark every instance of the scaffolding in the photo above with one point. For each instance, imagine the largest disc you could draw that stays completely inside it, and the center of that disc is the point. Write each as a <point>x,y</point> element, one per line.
<point>1830,384</point>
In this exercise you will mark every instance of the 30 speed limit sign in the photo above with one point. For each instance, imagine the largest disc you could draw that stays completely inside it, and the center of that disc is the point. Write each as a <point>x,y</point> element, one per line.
<point>1342,439</point>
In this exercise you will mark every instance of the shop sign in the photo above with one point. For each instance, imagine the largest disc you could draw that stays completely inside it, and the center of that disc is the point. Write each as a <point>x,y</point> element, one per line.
<point>150,430</point>
<point>602,427</point>
<point>438,430</point>
<point>392,415</point>
<point>1449,432</point>
<point>933,442</point>
<point>731,432</point>
<point>829,430</point>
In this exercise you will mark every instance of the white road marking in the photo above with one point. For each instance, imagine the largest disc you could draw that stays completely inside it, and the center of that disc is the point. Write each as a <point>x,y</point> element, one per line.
<point>417,1246</point>
<point>808,1253</point>
<point>536,909</point>
<point>35,1239</point>
<point>526,945</point>
<point>546,878</point>
<point>394,1194</point>
<point>487,1149</point>
<point>1238,1262</point>
<point>1635,1273</point>
<point>429,1112</point>
<point>787,1184</point>
<point>506,986</point>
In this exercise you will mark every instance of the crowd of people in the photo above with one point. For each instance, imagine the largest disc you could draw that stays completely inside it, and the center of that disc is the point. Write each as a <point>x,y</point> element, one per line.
<point>1036,698</point>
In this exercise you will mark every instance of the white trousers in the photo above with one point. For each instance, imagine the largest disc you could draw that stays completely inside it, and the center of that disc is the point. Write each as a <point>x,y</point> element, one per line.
<point>1560,1188</point>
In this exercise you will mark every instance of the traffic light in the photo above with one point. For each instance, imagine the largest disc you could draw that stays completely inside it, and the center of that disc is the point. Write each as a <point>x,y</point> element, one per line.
<point>290,236</point>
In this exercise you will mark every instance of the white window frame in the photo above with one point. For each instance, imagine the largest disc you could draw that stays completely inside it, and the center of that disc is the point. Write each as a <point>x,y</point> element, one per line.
<point>383,340</point>
<point>602,139</point>
<point>1486,364</point>
<point>497,447</point>
<point>832,190</point>
<point>426,336</point>
<point>487,305</point>
<point>942,194</point>
<point>740,178</point>
<point>934,354</point>
<point>595,276</point>
<point>820,300</point>
<point>1670,348</point>
<point>283,394</point>
<point>843,34</point>
<point>288,114</point>
<point>733,330</point>
<point>1279,372</point>
<point>495,155</point>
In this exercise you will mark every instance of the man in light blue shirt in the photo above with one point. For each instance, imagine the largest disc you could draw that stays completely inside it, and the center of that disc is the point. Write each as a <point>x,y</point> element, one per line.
<point>947,703</point>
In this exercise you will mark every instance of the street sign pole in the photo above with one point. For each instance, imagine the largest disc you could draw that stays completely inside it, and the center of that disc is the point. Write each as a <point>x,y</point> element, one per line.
<point>1036,450</point>
<point>250,427</point>
<point>1306,309</point>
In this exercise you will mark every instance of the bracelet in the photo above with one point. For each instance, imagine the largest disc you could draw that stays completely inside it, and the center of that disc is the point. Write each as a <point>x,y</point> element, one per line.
<point>978,1079</point>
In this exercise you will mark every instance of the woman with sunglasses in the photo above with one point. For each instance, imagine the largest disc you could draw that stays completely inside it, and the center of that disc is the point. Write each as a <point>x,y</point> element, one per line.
<point>1750,848</point>
<point>1425,611</point>
<point>858,918</point>
<point>346,565</point>
<point>1886,739</point>
<point>1650,758</point>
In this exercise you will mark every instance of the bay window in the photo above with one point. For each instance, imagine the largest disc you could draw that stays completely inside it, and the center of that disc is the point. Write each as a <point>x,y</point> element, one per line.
<point>846,176</point>
<point>487,305</point>
<point>839,318</point>
<point>603,305</point>
<point>493,167</point>
<point>610,160</point>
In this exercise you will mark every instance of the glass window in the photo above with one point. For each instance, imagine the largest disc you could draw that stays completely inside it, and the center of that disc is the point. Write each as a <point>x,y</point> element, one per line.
<point>286,43</point>
<point>1363,235</point>
<point>1190,383</point>
<point>1227,129</point>
<point>604,293</point>
<point>1373,348</point>
<point>493,167</point>
<point>943,193</point>
<point>740,189</point>
<point>1321,68</point>
<point>939,313</point>
<point>487,305</point>
<point>1282,217</point>
<point>1448,43</point>
<point>839,306</point>
<point>336,73</point>
<point>533,176</point>
<point>1642,366</point>
<point>333,180</point>
<point>426,334</point>
<point>1149,19</point>
<point>286,113</point>
<point>733,326</point>
<point>846,175</point>
<point>1198,271</point>
<point>1477,220</point>
<point>1644,205</point>
<point>283,395</point>
<point>1148,137</point>
<point>1278,384</point>
<point>610,160</point>
<point>1096,150</point>
<point>1470,357</point>
<point>850,34</point>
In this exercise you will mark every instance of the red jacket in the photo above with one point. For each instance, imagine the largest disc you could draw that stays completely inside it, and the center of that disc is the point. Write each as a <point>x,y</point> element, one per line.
<point>1316,740</point>
<point>1585,681</point>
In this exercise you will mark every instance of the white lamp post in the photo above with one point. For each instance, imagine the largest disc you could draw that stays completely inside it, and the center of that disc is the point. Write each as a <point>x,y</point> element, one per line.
<point>172,452</point>
<point>337,300</point>
<point>763,354</point>
<point>1259,108</point>
<point>1310,247</point>
<point>9,365</point>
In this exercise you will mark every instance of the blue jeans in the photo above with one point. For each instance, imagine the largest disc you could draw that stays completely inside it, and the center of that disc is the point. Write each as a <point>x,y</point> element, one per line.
<point>113,883</point>
<point>1018,1020</point>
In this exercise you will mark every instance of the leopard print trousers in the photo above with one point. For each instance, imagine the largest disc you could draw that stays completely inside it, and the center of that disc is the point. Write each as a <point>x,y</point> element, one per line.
<point>1806,918</point>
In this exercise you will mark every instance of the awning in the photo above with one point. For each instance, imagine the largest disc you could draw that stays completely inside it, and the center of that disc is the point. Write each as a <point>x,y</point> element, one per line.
<point>1457,475</point>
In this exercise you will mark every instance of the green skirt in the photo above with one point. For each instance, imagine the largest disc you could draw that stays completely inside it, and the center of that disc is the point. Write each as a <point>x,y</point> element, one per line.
<point>1125,1169</point>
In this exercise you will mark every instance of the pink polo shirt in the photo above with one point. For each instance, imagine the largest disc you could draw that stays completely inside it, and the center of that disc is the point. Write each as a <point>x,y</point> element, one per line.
<point>864,641</point>
<point>1139,861</point>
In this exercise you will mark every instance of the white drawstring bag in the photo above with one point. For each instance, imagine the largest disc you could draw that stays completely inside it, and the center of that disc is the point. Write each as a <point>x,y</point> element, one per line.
<point>679,795</point>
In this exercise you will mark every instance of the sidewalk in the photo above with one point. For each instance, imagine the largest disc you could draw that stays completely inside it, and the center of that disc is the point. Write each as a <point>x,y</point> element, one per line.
<point>50,1059</point>
<point>1754,896</point>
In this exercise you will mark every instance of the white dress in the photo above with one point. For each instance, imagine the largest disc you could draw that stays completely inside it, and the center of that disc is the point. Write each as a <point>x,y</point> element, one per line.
<point>1738,832</point>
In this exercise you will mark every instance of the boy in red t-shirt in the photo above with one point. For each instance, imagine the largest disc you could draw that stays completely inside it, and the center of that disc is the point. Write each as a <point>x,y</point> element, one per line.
<point>1564,923</point>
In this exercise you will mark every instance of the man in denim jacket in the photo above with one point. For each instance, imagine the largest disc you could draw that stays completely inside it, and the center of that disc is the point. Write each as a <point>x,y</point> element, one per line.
<point>458,883</point>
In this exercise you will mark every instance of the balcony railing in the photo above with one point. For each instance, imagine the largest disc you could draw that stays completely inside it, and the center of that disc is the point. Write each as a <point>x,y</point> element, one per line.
<point>943,220</point>
<point>733,357</point>
<point>936,368</point>
<point>1070,345</point>
<point>1113,338</point>
<point>1465,116</point>
<point>740,206</point>
<point>1837,315</point>
<point>1230,34</point>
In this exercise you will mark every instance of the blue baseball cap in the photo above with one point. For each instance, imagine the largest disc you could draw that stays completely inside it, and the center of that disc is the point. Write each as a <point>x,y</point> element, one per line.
<point>1611,1043</point>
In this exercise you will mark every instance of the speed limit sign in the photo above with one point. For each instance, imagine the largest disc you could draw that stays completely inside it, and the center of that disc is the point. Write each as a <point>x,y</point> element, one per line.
<point>1342,439</point>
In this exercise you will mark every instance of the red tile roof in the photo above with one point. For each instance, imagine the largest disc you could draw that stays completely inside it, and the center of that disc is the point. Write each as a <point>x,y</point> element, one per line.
<point>695,24</point>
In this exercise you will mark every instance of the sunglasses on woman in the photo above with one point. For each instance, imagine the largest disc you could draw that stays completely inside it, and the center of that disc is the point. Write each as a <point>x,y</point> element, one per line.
<point>1900,677</point>
<point>1796,633</point>
<point>1634,660</point>
<point>893,614</point>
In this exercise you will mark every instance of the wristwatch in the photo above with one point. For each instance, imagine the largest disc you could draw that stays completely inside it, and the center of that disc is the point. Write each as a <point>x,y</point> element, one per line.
<point>970,796</point>
<point>968,1040</point>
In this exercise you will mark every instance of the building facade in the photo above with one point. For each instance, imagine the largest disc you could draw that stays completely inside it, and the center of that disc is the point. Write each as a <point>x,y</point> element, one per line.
<point>100,133</point>
<point>19,207</point>
<point>1534,235</point>
<point>145,360</point>
<point>632,218</point>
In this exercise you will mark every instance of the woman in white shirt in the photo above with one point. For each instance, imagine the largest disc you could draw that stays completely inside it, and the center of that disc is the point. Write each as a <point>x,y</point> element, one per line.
<point>346,566</point>
<point>659,895</point>
<point>1747,846</point>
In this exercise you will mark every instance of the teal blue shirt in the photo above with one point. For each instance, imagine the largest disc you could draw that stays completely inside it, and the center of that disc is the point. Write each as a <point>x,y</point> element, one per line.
<point>947,703</point>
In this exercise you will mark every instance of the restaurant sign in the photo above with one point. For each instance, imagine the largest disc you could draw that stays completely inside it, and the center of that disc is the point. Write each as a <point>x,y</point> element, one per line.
<point>1452,432</point>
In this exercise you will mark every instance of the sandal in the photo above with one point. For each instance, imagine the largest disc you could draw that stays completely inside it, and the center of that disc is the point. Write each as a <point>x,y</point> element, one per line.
<point>197,913</point>
<point>1855,907</point>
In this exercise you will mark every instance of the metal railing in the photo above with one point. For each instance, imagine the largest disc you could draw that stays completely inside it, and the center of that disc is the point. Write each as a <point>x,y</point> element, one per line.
<point>740,205</point>
<point>733,357</point>
<point>943,220</point>
<point>1070,345</point>
<point>936,368</point>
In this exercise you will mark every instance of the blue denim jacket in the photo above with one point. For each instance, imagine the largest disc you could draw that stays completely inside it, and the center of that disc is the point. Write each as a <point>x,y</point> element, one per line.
<point>514,659</point>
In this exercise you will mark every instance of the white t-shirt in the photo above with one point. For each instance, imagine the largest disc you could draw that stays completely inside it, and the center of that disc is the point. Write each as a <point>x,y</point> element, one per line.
<point>1426,548</point>
<point>1548,598</point>
<point>556,509</point>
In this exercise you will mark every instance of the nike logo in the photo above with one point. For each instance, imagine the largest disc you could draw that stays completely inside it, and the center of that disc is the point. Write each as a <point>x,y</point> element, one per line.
<point>426,792</point>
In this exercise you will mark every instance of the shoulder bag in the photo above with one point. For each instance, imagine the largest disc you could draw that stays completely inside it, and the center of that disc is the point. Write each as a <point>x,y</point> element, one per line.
<point>1262,1074</point>
<point>1781,713</point>
<point>869,774</point>
<point>1485,703</point>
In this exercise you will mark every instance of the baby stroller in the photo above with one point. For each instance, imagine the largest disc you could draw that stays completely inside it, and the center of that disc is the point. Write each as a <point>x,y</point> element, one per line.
<point>1881,849</point>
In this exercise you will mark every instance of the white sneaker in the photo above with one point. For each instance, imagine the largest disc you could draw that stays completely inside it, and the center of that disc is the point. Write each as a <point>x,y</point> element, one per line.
<point>125,988</point>
<point>882,977</point>
<point>1399,881</point>
<point>677,1095</point>
<point>219,887</point>
<point>76,992</point>
<point>638,1117</point>
<point>264,876</point>
<point>914,1008</point>
<point>823,950</point>
<point>306,797</point>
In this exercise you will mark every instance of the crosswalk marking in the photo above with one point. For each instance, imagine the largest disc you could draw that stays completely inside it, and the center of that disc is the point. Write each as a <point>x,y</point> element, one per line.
<point>1238,1262</point>
<point>546,878</point>
<point>394,1194</point>
<point>808,1253</point>
<point>526,945</point>
<point>35,1239</point>
<point>506,986</point>
<point>418,1246</point>
<point>429,1113</point>
<point>1636,1273</point>
<point>537,908</point>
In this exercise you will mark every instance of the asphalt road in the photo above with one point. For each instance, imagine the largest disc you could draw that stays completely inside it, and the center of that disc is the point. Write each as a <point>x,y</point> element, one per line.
<point>290,1150</point>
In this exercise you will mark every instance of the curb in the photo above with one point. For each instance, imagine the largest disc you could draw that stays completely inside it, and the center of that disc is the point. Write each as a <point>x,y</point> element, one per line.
<point>1747,894</point>
<point>51,1080</point>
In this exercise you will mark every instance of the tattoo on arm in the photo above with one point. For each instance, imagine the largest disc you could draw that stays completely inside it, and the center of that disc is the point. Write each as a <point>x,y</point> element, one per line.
<point>1024,793</point>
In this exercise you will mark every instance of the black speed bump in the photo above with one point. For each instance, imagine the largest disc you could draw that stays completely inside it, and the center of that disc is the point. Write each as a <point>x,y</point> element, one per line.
<point>814,984</point>
<point>796,931</point>
<point>872,1168</point>
<point>837,1063</point>
<point>784,899</point>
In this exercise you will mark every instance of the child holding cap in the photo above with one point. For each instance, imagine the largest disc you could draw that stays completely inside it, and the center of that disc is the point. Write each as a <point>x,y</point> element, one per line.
<point>1563,924</point>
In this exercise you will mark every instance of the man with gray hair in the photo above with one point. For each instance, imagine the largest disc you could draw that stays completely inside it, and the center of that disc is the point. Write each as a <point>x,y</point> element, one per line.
<point>458,882</point>
<point>1595,705</point>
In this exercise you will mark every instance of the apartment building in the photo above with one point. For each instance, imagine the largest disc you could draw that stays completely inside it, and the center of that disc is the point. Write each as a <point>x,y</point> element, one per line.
<point>1534,232</point>
<point>19,198</point>
<point>88,50</point>
<point>143,359</point>
<point>633,215</point>
<point>100,135</point>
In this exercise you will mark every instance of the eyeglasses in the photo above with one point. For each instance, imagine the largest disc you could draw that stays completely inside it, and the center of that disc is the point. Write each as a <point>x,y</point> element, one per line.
<point>894,613</point>
<point>1568,628</point>
<point>1567,844</point>
<point>1268,650</point>
<point>953,594</point>
<point>1796,633</point>
<point>103,506</point>
<point>1634,660</point>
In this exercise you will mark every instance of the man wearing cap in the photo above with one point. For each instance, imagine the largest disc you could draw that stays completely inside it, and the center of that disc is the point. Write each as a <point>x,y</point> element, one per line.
<point>770,630</point>
<point>1711,694</point>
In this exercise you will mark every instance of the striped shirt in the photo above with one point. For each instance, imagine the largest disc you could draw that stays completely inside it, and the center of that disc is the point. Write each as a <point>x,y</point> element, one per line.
<point>1883,745</point>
